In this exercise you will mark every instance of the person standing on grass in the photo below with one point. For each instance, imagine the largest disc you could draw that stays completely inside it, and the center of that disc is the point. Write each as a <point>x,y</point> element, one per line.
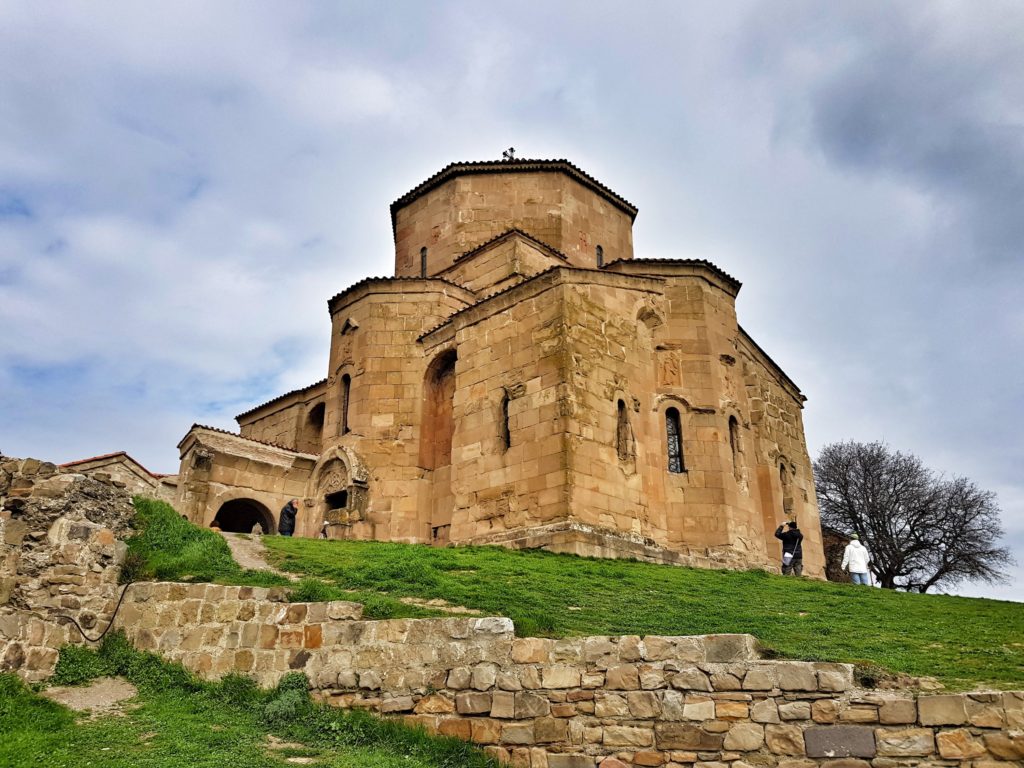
<point>855,559</point>
<point>286,525</point>
<point>792,548</point>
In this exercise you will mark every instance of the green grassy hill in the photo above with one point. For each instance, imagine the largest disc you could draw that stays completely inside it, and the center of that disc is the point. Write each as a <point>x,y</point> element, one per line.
<point>964,642</point>
<point>961,641</point>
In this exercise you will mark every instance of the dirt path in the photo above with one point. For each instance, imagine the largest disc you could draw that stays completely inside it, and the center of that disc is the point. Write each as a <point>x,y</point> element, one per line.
<point>250,553</point>
<point>101,697</point>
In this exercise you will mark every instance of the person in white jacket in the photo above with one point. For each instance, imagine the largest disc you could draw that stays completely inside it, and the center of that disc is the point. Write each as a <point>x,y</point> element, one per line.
<point>855,559</point>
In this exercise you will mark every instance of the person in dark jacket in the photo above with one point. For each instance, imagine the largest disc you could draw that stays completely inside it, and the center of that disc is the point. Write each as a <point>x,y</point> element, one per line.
<point>792,549</point>
<point>286,525</point>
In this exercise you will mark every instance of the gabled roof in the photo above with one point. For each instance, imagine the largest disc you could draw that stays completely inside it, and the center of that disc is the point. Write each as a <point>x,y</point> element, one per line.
<point>240,437</point>
<point>386,280</point>
<point>274,400</point>
<point>512,166</point>
<point>540,244</point>
<point>112,457</point>
<point>682,263</point>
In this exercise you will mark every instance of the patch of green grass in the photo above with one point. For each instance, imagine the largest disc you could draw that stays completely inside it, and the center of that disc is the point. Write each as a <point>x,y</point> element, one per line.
<point>167,547</point>
<point>961,641</point>
<point>178,720</point>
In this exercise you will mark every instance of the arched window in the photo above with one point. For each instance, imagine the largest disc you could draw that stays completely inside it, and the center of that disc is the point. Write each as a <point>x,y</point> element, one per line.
<point>312,434</point>
<point>600,256</point>
<point>734,443</point>
<point>438,423</point>
<point>346,388</point>
<point>423,261</point>
<point>503,427</point>
<point>785,482</point>
<point>674,434</point>
<point>622,437</point>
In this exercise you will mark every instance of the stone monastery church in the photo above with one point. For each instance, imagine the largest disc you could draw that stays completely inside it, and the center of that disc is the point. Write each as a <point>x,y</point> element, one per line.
<point>523,380</point>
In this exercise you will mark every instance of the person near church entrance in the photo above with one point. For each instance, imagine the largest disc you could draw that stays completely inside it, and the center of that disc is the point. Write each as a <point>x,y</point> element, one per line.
<point>286,525</point>
<point>792,550</point>
<point>855,559</point>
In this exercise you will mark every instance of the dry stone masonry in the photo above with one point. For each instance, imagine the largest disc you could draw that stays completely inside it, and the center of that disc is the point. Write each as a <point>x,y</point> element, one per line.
<point>60,554</point>
<point>705,702</point>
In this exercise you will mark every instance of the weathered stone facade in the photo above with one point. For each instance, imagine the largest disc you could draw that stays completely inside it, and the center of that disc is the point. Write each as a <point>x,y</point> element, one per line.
<point>60,555</point>
<point>702,702</point>
<point>523,380</point>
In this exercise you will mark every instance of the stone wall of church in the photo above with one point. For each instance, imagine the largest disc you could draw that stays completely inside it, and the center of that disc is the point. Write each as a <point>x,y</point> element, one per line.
<point>374,343</point>
<point>469,210</point>
<point>510,347</point>
<point>287,421</point>
<point>776,425</point>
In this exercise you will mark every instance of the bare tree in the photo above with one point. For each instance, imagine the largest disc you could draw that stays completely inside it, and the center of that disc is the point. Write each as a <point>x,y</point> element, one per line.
<point>921,528</point>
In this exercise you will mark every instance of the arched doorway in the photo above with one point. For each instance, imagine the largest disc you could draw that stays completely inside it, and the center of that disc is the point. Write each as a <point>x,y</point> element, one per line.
<point>240,515</point>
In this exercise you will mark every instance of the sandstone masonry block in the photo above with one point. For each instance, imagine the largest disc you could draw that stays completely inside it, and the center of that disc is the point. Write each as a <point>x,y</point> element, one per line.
<point>897,711</point>
<point>472,703</point>
<point>941,710</point>
<point>744,737</point>
<point>561,676</point>
<point>797,676</point>
<point>906,742</point>
<point>785,739</point>
<point>626,736</point>
<point>765,711</point>
<point>959,745</point>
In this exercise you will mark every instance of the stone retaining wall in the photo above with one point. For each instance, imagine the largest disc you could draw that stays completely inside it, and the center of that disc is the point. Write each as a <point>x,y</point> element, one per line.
<point>214,630</point>
<point>705,701</point>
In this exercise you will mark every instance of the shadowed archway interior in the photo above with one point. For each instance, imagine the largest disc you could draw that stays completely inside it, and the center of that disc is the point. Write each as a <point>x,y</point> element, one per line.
<point>240,515</point>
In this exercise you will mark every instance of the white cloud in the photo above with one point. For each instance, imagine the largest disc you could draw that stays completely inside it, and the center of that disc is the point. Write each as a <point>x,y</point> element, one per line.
<point>201,177</point>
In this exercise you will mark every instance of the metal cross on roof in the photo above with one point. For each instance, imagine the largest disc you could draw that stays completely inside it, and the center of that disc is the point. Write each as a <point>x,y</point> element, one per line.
<point>509,154</point>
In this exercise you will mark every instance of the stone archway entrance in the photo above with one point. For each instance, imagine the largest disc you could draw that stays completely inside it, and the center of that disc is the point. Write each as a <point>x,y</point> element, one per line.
<point>240,515</point>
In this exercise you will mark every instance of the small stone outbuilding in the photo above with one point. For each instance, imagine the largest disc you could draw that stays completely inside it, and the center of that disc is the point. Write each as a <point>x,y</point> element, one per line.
<point>524,380</point>
<point>123,469</point>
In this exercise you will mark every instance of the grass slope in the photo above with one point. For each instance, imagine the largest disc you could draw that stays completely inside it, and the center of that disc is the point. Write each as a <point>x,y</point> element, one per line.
<point>166,547</point>
<point>961,641</point>
<point>178,720</point>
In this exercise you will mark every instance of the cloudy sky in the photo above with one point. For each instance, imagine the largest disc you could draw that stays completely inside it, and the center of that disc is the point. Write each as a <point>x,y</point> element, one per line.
<point>184,184</point>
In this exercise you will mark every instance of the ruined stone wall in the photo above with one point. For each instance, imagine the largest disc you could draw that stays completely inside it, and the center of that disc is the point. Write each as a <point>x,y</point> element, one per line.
<point>469,210</point>
<point>698,702</point>
<point>125,472</point>
<point>60,555</point>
